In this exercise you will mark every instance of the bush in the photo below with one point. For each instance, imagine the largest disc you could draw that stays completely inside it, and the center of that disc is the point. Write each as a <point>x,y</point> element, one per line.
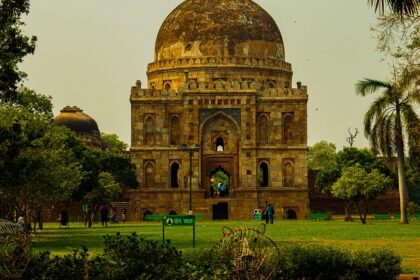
<point>135,258</point>
<point>312,262</point>
<point>132,257</point>
<point>76,265</point>
<point>380,264</point>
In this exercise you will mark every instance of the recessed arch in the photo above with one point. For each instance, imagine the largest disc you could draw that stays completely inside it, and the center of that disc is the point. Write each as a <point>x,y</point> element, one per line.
<point>220,144</point>
<point>175,131</point>
<point>288,174</point>
<point>149,175</point>
<point>263,129</point>
<point>167,86</point>
<point>147,212</point>
<point>175,175</point>
<point>291,214</point>
<point>149,130</point>
<point>288,128</point>
<point>271,85</point>
<point>263,174</point>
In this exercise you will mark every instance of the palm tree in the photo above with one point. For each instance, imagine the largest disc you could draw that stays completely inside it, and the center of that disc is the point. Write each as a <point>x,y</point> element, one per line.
<point>400,7</point>
<point>390,118</point>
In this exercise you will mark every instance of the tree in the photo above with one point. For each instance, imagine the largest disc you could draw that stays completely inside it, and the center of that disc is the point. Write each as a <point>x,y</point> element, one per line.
<point>14,46</point>
<point>322,155</point>
<point>360,187</point>
<point>96,162</point>
<point>114,142</point>
<point>390,115</point>
<point>104,192</point>
<point>36,162</point>
<point>399,7</point>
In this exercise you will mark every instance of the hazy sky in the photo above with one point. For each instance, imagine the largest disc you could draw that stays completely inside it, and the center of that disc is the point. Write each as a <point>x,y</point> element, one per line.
<point>90,53</point>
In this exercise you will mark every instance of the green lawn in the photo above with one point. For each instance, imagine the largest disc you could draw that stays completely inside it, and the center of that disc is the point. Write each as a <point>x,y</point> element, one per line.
<point>403,239</point>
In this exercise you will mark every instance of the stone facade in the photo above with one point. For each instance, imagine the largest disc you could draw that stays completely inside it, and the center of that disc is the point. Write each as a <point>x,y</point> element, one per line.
<point>232,96</point>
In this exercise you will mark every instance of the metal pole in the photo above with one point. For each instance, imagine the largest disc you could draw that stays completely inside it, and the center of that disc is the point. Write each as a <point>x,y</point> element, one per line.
<point>191,173</point>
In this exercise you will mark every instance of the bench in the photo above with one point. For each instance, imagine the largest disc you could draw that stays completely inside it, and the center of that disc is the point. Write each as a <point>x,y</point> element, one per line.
<point>319,216</point>
<point>382,216</point>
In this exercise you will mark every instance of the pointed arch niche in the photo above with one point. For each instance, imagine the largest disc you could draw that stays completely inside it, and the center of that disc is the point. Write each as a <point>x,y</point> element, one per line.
<point>149,130</point>
<point>149,174</point>
<point>263,173</point>
<point>287,128</point>
<point>175,175</point>
<point>263,129</point>
<point>175,130</point>
<point>288,173</point>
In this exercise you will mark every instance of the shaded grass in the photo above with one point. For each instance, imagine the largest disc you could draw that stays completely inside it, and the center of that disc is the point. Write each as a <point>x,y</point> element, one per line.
<point>403,239</point>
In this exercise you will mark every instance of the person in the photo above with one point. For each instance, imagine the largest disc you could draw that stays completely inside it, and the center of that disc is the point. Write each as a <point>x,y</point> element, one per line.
<point>270,213</point>
<point>211,191</point>
<point>265,214</point>
<point>124,215</point>
<point>218,190</point>
<point>21,220</point>
<point>85,208</point>
<point>103,211</point>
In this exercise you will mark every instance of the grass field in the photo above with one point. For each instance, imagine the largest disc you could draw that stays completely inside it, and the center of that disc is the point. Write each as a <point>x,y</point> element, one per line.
<point>403,239</point>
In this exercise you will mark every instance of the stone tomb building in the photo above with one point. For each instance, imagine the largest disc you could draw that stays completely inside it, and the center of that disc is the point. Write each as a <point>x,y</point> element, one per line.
<point>219,80</point>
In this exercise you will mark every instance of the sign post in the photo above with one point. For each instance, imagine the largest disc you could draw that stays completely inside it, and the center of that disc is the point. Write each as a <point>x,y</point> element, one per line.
<point>178,220</point>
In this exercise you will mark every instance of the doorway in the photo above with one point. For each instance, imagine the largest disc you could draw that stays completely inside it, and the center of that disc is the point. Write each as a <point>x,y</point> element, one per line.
<point>220,180</point>
<point>221,211</point>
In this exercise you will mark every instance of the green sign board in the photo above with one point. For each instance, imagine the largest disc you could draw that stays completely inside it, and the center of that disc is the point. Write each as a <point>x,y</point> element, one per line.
<point>176,220</point>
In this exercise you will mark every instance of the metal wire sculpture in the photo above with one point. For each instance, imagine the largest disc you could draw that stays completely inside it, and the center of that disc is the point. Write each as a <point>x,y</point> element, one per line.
<point>15,250</point>
<point>252,253</point>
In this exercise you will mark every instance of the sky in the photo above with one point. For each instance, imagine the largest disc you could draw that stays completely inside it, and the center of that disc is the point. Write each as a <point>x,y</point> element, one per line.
<point>90,53</point>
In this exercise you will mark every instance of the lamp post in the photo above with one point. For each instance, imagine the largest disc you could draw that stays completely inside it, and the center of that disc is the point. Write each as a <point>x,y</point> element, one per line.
<point>191,150</point>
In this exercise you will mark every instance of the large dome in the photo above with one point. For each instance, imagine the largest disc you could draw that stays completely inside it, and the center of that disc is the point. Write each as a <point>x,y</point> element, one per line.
<point>209,28</point>
<point>74,118</point>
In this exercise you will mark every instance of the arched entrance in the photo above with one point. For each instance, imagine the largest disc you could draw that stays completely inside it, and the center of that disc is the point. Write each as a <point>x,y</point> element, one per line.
<point>220,180</point>
<point>220,135</point>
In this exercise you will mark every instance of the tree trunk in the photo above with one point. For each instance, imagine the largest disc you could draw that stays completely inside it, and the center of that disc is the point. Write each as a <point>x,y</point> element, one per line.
<point>361,214</point>
<point>347,211</point>
<point>401,168</point>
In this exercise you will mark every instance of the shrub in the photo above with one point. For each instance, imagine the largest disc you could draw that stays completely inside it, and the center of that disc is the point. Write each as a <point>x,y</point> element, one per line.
<point>76,265</point>
<point>207,264</point>
<point>312,262</point>
<point>380,264</point>
<point>132,257</point>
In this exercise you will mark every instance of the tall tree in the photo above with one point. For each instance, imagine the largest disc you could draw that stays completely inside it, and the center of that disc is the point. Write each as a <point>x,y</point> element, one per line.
<point>390,115</point>
<point>400,7</point>
<point>360,187</point>
<point>322,155</point>
<point>14,46</point>
<point>37,164</point>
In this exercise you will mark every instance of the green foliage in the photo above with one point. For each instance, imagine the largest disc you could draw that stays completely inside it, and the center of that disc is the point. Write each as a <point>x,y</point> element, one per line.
<point>15,250</point>
<point>36,162</point>
<point>312,262</point>
<point>131,257</point>
<point>14,46</point>
<point>220,177</point>
<point>322,155</point>
<point>413,208</point>
<point>77,265</point>
<point>379,264</point>
<point>107,189</point>
<point>348,157</point>
<point>398,7</point>
<point>114,142</point>
<point>358,186</point>
<point>137,258</point>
